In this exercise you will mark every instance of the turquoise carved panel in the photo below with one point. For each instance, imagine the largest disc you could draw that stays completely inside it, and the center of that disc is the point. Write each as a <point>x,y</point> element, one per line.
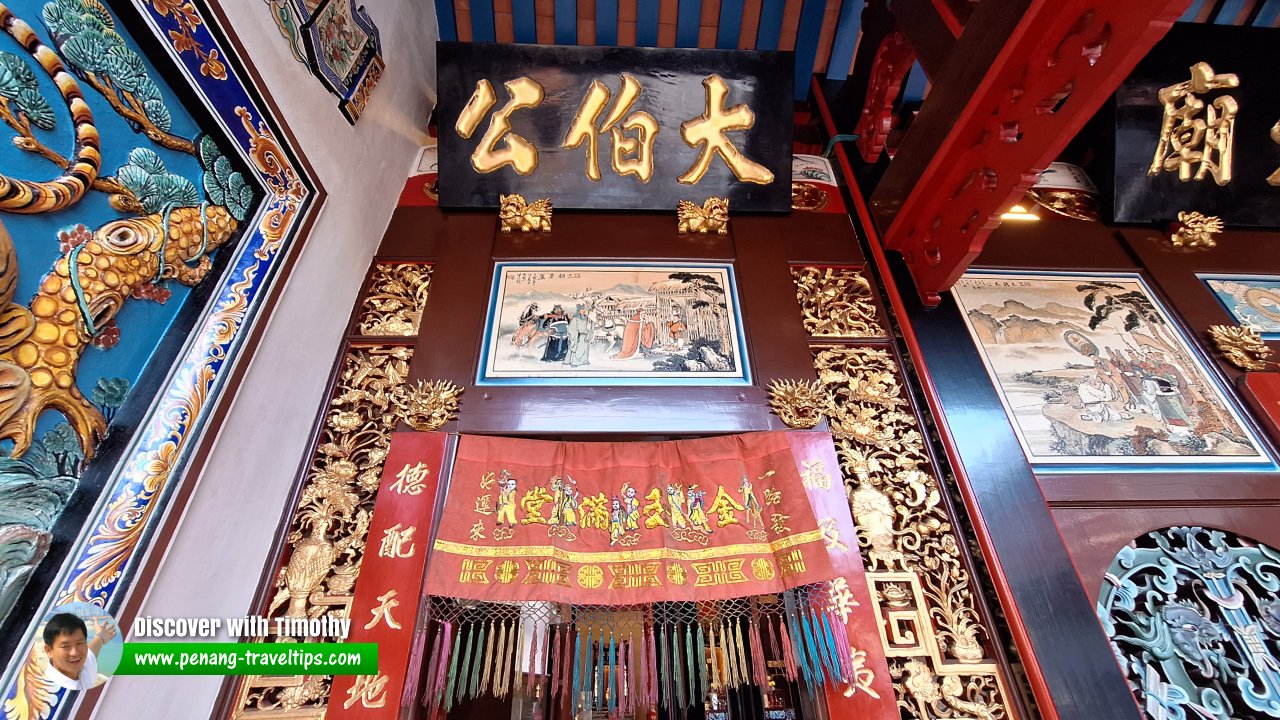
<point>1194,618</point>
<point>147,200</point>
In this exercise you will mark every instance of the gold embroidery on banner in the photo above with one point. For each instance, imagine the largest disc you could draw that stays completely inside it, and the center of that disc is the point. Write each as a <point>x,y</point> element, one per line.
<point>921,587</point>
<point>590,577</point>
<point>813,473</point>
<point>396,298</point>
<point>477,531</point>
<point>570,556</point>
<point>484,504</point>
<point>475,572</point>
<point>677,574</point>
<point>792,563</point>
<point>762,569</point>
<point>719,572</point>
<point>634,575</point>
<point>547,572</point>
<point>836,302</point>
<point>507,571</point>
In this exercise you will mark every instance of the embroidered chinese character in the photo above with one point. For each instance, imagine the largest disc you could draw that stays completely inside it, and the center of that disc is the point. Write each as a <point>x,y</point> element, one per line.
<point>779,523</point>
<point>709,132</point>
<point>369,690</point>
<point>653,511</point>
<point>814,474</point>
<point>723,507</point>
<point>382,611</point>
<point>584,129</point>
<point>410,480</point>
<point>393,542</point>
<point>595,512</point>
<point>519,153</point>
<point>532,503</point>
<point>477,531</point>
<point>1189,141</point>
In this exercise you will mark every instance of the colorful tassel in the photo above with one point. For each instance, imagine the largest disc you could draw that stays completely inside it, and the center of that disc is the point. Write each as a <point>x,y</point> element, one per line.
<point>652,671</point>
<point>677,662</point>
<point>577,669</point>
<point>834,668</point>
<point>757,656</point>
<point>598,660</point>
<point>797,648</point>
<point>491,663</point>
<point>664,658</point>
<point>702,663</point>
<point>743,673</point>
<point>453,669</point>
<point>531,658</point>
<point>812,645</point>
<point>431,691</point>
<point>567,673</point>
<point>788,657</point>
<point>513,642</point>
<point>612,688</point>
<point>713,659</point>
<point>726,659</point>
<point>843,650</point>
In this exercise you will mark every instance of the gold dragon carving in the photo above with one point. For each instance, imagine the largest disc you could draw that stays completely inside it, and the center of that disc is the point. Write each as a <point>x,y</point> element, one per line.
<point>836,302</point>
<point>930,626</point>
<point>1241,346</point>
<point>395,300</point>
<point>327,535</point>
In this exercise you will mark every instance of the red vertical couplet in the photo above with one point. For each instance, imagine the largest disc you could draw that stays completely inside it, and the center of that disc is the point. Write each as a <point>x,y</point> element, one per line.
<point>385,606</point>
<point>868,690</point>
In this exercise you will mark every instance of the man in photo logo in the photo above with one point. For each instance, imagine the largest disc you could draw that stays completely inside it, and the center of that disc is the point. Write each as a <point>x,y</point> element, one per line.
<point>73,658</point>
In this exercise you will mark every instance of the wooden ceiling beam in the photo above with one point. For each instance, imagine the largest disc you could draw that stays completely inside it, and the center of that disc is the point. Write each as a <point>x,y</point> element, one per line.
<point>1023,79</point>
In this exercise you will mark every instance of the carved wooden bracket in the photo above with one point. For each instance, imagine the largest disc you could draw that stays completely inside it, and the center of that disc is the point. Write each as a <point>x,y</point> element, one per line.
<point>893,59</point>
<point>982,137</point>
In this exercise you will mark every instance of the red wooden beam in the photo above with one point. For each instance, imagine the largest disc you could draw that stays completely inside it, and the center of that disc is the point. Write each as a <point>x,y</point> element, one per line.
<point>1014,93</point>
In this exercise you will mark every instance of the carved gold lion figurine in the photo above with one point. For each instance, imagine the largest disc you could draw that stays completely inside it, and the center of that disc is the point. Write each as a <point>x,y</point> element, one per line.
<point>516,214</point>
<point>713,216</point>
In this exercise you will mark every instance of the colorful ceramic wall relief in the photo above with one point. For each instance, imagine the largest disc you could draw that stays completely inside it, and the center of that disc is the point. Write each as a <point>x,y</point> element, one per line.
<point>338,42</point>
<point>147,199</point>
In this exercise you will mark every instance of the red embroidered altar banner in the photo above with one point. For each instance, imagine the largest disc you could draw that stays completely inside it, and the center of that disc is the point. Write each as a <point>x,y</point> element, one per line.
<point>626,523</point>
<point>385,605</point>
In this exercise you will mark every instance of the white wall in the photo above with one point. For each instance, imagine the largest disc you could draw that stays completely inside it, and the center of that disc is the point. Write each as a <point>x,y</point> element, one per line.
<point>211,569</point>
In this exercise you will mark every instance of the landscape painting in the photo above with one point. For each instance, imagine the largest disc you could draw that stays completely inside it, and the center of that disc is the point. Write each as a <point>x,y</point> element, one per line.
<point>1091,371</point>
<point>584,323</point>
<point>1252,301</point>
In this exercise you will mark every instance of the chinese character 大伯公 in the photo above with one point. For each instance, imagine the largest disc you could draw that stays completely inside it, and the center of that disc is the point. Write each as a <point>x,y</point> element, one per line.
<point>519,153</point>
<point>585,130</point>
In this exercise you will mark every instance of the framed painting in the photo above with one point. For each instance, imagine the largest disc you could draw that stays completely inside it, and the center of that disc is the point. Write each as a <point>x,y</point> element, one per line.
<point>1093,374</point>
<point>1250,300</point>
<point>613,324</point>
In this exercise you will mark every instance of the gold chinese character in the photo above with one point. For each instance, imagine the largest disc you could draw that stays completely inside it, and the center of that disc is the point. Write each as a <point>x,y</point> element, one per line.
<point>475,572</point>
<point>1188,140</point>
<point>709,132</point>
<point>1274,178</point>
<point>723,507</point>
<point>772,496</point>
<point>484,504</point>
<point>779,523</point>
<point>477,531</point>
<point>519,153</point>
<point>634,575</point>
<point>393,541</point>
<point>814,475</point>
<point>410,480</point>
<point>653,511</point>
<point>831,534</point>
<point>532,503</point>
<point>387,601</point>
<point>584,129</point>
<point>369,690</point>
<point>487,480</point>
<point>595,512</point>
<point>791,563</point>
<point>546,572</point>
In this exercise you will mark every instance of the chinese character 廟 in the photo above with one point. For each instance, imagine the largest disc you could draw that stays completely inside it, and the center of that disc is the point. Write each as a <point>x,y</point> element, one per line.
<point>1188,140</point>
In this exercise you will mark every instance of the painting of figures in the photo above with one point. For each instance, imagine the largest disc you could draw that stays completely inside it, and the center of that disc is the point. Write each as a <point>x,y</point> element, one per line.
<point>1253,301</point>
<point>1091,371</point>
<point>613,324</point>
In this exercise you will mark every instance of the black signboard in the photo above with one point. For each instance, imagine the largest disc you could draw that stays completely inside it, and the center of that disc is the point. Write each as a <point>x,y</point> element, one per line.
<point>1221,98</point>
<point>614,128</point>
